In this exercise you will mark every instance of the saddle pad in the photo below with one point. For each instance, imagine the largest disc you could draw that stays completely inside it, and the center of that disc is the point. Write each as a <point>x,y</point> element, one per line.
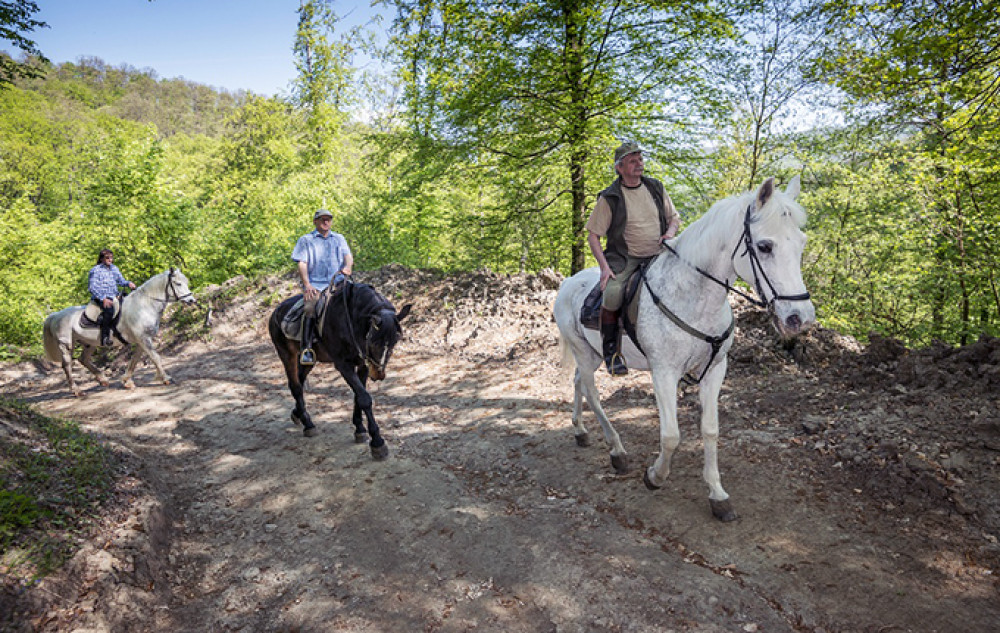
<point>590,312</point>
<point>291,325</point>
<point>92,312</point>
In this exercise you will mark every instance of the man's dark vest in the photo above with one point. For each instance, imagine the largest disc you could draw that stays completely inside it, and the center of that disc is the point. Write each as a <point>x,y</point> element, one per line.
<point>615,250</point>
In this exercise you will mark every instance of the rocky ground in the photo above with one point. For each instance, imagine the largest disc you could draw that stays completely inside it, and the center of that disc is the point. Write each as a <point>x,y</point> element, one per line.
<point>865,479</point>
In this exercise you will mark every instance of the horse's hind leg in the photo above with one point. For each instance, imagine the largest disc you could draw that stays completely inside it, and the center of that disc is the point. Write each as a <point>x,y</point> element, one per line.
<point>297,375</point>
<point>87,361</point>
<point>579,431</point>
<point>67,365</point>
<point>585,383</point>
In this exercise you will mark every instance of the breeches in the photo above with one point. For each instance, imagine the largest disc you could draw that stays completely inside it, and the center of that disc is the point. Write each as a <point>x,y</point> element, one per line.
<point>614,292</point>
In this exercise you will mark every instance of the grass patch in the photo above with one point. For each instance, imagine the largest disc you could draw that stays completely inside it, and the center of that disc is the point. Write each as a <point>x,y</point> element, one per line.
<point>54,477</point>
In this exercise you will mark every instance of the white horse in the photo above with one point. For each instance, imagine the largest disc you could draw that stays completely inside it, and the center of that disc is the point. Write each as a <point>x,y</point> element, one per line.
<point>684,322</point>
<point>139,323</point>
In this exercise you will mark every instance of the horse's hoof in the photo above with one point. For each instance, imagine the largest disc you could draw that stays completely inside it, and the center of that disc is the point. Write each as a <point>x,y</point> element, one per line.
<point>361,438</point>
<point>380,453</point>
<point>620,464</point>
<point>310,431</point>
<point>583,439</point>
<point>104,383</point>
<point>649,482</point>
<point>723,510</point>
<point>128,385</point>
<point>167,381</point>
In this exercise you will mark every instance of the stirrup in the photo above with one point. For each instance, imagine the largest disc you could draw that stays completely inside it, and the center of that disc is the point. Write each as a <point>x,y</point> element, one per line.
<point>616,365</point>
<point>307,357</point>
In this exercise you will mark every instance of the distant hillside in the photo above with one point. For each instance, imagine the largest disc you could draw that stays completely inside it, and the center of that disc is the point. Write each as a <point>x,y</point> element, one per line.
<point>174,106</point>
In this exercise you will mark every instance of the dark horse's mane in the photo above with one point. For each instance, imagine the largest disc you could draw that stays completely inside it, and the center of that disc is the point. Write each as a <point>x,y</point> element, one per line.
<point>362,302</point>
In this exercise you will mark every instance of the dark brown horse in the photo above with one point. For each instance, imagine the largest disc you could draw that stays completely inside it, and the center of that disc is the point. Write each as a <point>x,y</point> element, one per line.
<point>359,331</point>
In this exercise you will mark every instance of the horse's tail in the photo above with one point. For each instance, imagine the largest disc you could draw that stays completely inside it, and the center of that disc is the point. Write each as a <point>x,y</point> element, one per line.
<point>567,361</point>
<point>50,338</point>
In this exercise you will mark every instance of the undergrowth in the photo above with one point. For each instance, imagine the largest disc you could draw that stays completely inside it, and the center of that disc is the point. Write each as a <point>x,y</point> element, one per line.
<point>53,479</point>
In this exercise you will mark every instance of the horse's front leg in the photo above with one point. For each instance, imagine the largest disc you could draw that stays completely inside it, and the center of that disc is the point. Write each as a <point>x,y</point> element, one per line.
<point>363,404</point>
<point>133,362</point>
<point>360,431</point>
<point>708,395</point>
<point>147,346</point>
<point>86,359</point>
<point>665,388</point>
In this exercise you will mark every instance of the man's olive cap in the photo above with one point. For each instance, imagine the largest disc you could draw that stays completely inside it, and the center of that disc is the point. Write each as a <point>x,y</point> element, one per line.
<point>626,148</point>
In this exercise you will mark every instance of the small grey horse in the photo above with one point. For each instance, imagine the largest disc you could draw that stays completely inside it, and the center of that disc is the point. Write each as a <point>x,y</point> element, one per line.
<point>141,311</point>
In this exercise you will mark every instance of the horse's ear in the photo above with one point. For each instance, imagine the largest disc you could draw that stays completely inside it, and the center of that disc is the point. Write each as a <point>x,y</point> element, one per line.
<point>793,188</point>
<point>402,313</point>
<point>765,192</point>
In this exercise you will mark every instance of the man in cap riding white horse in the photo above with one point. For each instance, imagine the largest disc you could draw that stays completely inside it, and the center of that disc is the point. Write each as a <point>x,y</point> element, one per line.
<point>323,257</point>
<point>635,215</point>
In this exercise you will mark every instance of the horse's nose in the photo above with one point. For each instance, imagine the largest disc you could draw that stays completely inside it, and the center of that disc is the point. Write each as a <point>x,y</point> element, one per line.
<point>793,322</point>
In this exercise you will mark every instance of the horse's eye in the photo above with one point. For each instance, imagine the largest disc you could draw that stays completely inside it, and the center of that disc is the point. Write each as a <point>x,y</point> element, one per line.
<point>764,247</point>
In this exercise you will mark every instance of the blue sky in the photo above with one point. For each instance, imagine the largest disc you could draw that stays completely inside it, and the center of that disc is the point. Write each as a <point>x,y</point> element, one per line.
<point>231,44</point>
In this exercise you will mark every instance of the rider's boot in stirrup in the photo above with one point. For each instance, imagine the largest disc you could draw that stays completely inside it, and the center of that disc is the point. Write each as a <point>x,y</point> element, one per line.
<point>307,357</point>
<point>611,340</point>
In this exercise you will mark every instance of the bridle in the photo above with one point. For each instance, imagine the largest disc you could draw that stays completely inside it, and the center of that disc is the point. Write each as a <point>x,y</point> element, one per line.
<point>170,289</point>
<point>365,353</point>
<point>746,240</point>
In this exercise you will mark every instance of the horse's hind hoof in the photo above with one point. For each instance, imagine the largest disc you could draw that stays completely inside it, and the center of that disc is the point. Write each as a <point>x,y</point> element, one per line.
<point>310,431</point>
<point>381,452</point>
<point>620,464</point>
<point>649,482</point>
<point>583,439</point>
<point>723,510</point>
<point>361,438</point>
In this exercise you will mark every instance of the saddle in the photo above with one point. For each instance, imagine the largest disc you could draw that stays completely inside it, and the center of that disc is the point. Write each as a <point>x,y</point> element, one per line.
<point>93,314</point>
<point>590,311</point>
<point>291,325</point>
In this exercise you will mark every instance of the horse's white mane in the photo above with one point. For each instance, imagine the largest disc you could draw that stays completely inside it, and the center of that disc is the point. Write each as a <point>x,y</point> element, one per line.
<point>724,219</point>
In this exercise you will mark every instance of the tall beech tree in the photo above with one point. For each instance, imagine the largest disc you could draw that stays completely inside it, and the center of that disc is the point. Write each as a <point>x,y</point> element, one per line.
<point>516,87</point>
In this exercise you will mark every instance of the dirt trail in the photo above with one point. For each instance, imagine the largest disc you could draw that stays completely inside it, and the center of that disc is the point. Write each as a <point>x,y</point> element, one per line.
<point>488,517</point>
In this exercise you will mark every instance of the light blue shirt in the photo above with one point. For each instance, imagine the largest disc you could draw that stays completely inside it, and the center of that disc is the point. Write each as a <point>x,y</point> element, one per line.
<point>324,256</point>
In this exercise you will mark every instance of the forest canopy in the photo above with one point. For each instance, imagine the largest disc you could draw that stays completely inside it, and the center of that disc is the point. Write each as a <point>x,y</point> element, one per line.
<point>489,132</point>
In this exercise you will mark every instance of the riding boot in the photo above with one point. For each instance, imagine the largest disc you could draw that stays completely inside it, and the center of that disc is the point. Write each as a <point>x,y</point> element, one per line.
<point>107,314</point>
<point>307,357</point>
<point>611,343</point>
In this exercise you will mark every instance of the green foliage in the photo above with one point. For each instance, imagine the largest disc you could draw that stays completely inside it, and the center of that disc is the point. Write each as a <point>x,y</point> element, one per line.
<point>55,478</point>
